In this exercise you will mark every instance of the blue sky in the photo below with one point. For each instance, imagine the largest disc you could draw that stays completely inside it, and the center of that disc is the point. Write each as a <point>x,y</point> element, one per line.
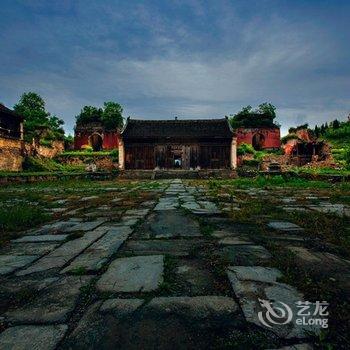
<point>191,59</point>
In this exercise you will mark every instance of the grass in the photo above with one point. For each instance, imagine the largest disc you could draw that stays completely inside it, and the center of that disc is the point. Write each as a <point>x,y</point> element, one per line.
<point>316,287</point>
<point>273,181</point>
<point>206,228</point>
<point>168,285</point>
<point>17,217</point>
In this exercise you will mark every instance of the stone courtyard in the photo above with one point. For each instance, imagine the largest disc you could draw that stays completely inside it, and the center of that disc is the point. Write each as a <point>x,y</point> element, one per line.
<point>164,265</point>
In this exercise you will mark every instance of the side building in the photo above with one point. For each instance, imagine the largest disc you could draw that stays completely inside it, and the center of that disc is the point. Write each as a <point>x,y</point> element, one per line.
<point>177,144</point>
<point>261,138</point>
<point>95,135</point>
<point>11,140</point>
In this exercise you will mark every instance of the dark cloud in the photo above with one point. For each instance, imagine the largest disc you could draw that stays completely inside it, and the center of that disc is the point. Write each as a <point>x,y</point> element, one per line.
<point>185,58</point>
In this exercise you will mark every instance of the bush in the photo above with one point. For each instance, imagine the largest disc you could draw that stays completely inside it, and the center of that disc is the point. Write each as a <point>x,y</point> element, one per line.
<point>289,137</point>
<point>251,162</point>
<point>87,148</point>
<point>244,148</point>
<point>347,157</point>
<point>36,164</point>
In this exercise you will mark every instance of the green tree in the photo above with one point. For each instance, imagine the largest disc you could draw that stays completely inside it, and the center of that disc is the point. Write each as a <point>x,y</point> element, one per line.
<point>89,114</point>
<point>36,119</point>
<point>267,109</point>
<point>336,124</point>
<point>263,116</point>
<point>112,117</point>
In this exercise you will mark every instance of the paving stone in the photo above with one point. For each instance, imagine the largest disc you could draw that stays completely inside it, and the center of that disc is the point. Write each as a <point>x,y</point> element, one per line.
<point>245,254</point>
<point>206,212</point>
<point>305,254</point>
<point>233,241</point>
<point>32,337</point>
<point>63,254</point>
<point>85,226</point>
<point>133,274</point>
<point>58,226</point>
<point>99,252</point>
<point>294,208</point>
<point>10,263</point>
<point>86,199</point>
<point>330,208</point>
<point>154,247</point>
<point>172,223</point>
<point>54,304</point>
<point>304,346</point>
<point>192,277</point>
<point>256,286</point>
<point>206,309</point>
<point>137,212</point>
<point>148,204</point>
<point>28,248</point>
<point>190,205</point>
<point>256,273</point>
<point>40,238</point>
<point>57,210</point>
<point>90,330</point>
<point>285,226</point>
<point>12,290</point>
<point>121,307</point>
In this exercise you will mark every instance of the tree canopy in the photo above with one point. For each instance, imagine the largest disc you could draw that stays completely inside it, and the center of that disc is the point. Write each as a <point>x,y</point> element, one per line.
<point>263,116</point>
<point>110,115</point>
<point>36,119</point>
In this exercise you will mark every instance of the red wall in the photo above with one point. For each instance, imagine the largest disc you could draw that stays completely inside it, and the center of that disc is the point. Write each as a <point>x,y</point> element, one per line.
<point>110,140</point>
<point>272,136</point>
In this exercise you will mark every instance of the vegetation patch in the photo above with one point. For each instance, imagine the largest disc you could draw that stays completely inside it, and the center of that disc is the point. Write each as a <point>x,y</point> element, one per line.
<point>17,217</point>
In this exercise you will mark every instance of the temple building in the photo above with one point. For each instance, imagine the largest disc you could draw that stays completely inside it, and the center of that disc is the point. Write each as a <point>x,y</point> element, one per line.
<point>177,144</point>
<point>261,138</point>
<point>96,136</point>
<point>11,140</point>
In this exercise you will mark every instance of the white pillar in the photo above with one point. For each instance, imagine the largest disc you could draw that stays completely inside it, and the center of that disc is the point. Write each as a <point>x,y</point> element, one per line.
<point>234,153</point>
<point>121,154</point>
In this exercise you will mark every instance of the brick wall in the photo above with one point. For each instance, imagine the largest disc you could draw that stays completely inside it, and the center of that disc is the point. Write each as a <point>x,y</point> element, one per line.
<point>11,154</point>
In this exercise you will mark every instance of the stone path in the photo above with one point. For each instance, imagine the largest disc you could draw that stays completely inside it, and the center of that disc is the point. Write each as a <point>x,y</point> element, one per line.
<point>172,273</point>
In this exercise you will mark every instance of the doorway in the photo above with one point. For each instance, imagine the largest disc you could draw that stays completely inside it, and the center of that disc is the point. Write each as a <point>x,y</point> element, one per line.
<point>258,141</point>
<point>96,142</point>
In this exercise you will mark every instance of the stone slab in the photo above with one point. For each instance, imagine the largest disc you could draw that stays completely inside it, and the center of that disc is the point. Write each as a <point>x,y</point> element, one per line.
<point>284,226</point>
<point>10,263</point>
<point>200,308</point>
<point>245,254</point>
<point>172,224</point>
<point>121,307</point>
<point>256,273</point>
<point>53,305</point>
<point>32,337</point>
<point>133,274</point>
<point>63,254</point>
<point>256,288</point>
<point>233,241</point>
<point>176,247</point>
<point>28,248</point>
<point>94,257</point>
<point>40,238</point>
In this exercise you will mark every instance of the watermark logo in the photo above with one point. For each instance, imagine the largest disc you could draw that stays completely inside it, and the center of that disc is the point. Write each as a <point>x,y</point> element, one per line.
<point>302,313</point>
<point>274,315</point>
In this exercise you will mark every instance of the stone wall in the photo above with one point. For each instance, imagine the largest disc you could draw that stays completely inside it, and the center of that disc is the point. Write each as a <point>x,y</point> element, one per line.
<point>101,162</point>
<point>11,154</point>
<point>34,150</point>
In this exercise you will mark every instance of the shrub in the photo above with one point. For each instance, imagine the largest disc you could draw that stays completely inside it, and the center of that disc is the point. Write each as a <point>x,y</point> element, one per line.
<point>289,137</point>
<point>244,148</point>
<point>251,162</point>
<point>87,148</point>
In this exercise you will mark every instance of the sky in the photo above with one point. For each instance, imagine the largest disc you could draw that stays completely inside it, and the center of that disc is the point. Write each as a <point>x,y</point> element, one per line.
<point>190,59</point>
